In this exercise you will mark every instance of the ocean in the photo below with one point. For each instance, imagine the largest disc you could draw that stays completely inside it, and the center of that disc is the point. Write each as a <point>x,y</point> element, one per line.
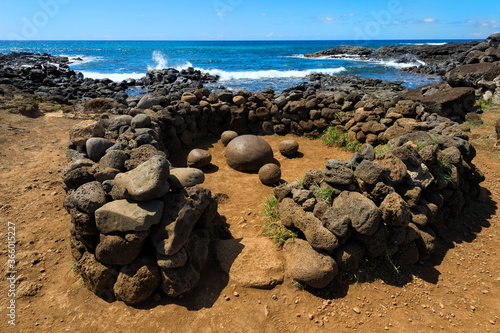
<point>247,65</point>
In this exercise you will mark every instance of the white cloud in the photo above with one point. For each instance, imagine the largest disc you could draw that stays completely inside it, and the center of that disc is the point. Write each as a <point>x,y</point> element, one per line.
<point>270,34</point>
<point>327,19</point>
<point>396,22</point>
<point>221,14</point>
<point>349,15</point>
<point>429,20</point>
<point>263,14</point>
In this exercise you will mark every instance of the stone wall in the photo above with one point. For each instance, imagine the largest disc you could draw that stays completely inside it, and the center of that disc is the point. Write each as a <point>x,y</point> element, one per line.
<point>394,204</point>
<point>135,225</point>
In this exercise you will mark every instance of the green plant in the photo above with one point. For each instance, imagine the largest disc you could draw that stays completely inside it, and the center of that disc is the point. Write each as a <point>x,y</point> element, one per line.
<point>445,171</point>
<point>55,108</point>
<point>334,137</point>
<point>300,181</point>
<point>473,124</point>
<point>397,269</point>
<point>382,149</point>
<point>484,105</point>
<point>325,194</point>
<point>273,228</point>
<point>270,211</point>
<point>39,99</point>
<point>75,269</point>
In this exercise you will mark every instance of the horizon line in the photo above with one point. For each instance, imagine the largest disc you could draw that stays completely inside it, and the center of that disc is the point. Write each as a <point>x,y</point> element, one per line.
<point>230,40</point>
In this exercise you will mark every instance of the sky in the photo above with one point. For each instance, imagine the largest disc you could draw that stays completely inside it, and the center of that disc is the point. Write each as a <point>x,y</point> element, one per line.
<point>247,19</point>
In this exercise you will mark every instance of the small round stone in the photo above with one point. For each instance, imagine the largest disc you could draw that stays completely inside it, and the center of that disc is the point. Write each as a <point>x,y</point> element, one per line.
<point>227,136</point>
<point>288,147</point>
<point>198,158</point>
<point>270,174</point>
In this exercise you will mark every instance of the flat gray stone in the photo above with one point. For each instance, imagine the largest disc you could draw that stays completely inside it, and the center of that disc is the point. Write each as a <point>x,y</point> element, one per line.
<point>126,216</point>
<point>146,182</point>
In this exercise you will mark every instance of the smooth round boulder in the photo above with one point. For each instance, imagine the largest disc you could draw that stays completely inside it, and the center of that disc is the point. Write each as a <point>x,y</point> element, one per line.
<point>96,148</point>
<point>141,121</point>
<point>227,136</point>
<point>185,177</point>
<point>288,147</point>
<point>248,153</point>
<point>270,174</point>
<point>198,158</point>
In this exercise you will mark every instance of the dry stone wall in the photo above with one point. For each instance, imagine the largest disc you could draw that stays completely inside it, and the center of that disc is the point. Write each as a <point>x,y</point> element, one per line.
<point>134,227</point>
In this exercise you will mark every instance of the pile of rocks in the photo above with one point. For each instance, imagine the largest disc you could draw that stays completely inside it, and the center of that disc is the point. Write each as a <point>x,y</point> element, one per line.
<point>394,204</point>
<point>134,226</point>
<point>48,76</point>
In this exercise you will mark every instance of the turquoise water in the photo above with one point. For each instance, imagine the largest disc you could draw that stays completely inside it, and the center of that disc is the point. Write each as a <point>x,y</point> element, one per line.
<point>249,65</point>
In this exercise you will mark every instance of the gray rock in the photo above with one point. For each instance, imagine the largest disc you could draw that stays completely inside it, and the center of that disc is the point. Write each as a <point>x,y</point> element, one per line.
<point>300,195</point>
<point>141,121</point>
<point>106,174</point>
<point>375,244</point>
<point>178,281</point>
<point>96,148</point>
<point>242,260</point>
<point>146,182</point>
<point>337,173</point>
<point>114,159</point>
<point>420,176</point>
<point>248,153</point>
<point>349,255</point>
<point>116,122</point>
<point>137,281</point>
<point>371,172</point>
<point>126,216</point>
<point>397,168</point>
<point>95,275</point>
<point>198,158</point>
<point>117,250</point>
<point>337,223</point>
<point>147,101</point>
<point>185,177</point>
<point>81,132</point>
<point>316,234</point>
<point>182,211</point>
<point>395,211</point>
<point>364,214</point>
<point>87,198</point>
<point>174,261</point>
<point>306,265</point>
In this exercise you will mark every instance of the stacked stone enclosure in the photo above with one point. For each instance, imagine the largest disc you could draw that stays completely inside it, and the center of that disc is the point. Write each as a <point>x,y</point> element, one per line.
<point>403,189</point>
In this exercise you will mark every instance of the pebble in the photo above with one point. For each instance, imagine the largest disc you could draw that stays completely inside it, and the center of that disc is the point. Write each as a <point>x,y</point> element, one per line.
<point>356,309</point>
<point>236,294</point>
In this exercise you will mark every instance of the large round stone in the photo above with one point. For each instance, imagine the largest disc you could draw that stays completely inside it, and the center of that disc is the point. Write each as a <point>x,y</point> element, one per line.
<point>198,158</point>
<point>270,174</point>
<point>248,153</point>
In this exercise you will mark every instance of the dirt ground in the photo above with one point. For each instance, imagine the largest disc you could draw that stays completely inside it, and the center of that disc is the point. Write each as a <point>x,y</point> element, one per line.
<point>457,290</point>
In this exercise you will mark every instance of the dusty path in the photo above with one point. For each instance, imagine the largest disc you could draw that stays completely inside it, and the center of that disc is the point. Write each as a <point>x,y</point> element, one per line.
<point>456,291</point>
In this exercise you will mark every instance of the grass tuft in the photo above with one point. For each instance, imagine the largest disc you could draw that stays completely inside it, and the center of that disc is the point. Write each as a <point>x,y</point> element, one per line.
<point>273,228</point>
<point>333,137</point>
<point>445,171</point>
<point>324,194</point>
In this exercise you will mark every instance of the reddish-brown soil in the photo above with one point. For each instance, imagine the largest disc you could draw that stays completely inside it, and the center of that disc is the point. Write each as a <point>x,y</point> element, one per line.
<point>458,290</point>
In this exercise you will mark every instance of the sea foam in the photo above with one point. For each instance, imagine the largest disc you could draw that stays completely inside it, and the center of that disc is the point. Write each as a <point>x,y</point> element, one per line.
<point>255,75</point>
<point>117,77</point>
